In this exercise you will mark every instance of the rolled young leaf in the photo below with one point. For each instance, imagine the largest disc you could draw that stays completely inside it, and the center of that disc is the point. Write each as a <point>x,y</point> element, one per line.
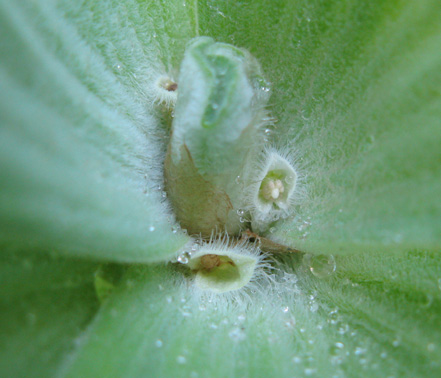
<point>221,99</point>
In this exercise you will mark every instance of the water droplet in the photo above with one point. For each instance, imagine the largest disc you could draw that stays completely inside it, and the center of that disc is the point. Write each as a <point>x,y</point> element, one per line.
<point>296,360</point>
<point>337,353</point>
<point>164,194</point>
<point>236,334</point>
<point>159,343</point>
<point>333,316</point>
<point>310,371</point>
<point>181,360</point>
<point>396,343</point>
<point>272,230</point>
<point>240,212</point>
<point>359,351</point>
<point>383,355</point>
<point>314,307</point>
<point>431,347</point>
<point>343,329</point>
<point>290,323</point>
<point>169,299</point>
<point>152,228</point>
<point>320,266</point>
<point>285,309</point>
<point>184,257</point>
<point>241,317</point>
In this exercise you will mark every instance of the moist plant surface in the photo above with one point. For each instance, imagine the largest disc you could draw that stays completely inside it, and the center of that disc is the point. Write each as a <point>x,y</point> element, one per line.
<point>163,163</point>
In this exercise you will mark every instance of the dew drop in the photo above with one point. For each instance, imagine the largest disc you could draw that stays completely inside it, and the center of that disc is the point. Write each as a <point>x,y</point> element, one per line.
<point>314,307</point>
<point>159,343</point>
<point>343,329</point>
<point>184,257</point>
<point>321,266</point>
<point>181,360</point>
<point>241,317</point>
<point>236,334</point>
<point>285,309</point>
<point>337,353</point>
<point>240,212</point>
<point>152,228</point>
<point>290,323</point>
<point>359,351</point>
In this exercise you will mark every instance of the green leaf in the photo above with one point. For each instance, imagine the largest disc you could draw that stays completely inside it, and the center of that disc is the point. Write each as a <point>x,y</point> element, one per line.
<point>357,97</point>
<point>315,327</point>
<point>83,130</point>
<point>79,148</point>
<point>45,303</point>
